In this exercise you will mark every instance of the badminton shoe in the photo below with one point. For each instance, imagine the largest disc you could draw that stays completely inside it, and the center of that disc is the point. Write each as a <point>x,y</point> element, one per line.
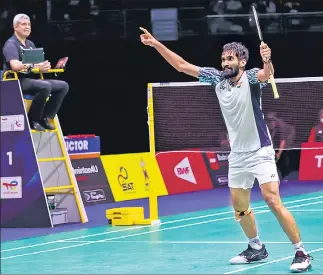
<point>250,255</point>
<point>301,262</point>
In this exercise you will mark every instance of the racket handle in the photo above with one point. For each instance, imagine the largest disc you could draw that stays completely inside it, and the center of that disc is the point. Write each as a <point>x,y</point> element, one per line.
<point>273,85</point>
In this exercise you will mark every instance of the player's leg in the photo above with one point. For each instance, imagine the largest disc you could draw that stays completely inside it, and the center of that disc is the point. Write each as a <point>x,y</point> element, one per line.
<point>270,192</point>
<point>241,204</point>
<point>265,170</point>
<point>240,184</point>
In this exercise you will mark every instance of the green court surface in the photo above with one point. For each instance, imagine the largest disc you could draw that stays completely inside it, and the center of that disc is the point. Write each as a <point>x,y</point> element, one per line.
<point>192,243</point>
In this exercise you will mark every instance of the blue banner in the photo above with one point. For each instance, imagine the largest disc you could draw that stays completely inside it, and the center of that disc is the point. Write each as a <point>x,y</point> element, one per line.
<point>23,201</point>
<point>83,145</point>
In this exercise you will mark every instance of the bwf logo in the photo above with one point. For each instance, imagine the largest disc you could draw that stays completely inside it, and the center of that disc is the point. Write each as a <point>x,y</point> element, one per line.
<point>183,170</point>
<point>319,160</point>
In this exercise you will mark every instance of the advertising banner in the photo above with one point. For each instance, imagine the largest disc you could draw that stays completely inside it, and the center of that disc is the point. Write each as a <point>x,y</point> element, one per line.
<point>92,181</point>
<point>184,171</point>
<point>131,176</point>
<point>23,201</point>
<point>83,146</point>
<point>217,166</point>
<point>311,163</point>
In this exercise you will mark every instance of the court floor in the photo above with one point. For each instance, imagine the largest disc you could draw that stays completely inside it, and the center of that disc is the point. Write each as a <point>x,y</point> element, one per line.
<point>193,243</point>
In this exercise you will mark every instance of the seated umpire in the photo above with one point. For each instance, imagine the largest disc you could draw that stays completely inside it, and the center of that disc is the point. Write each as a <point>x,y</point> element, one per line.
<point>41,112</point>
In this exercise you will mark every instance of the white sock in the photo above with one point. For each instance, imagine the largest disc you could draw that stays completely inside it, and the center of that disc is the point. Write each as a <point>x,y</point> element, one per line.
<point>255,243</point>
<point>299,247</point>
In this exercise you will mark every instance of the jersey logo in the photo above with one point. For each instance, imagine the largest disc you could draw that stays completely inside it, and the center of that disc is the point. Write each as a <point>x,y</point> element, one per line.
<point>239,84</point>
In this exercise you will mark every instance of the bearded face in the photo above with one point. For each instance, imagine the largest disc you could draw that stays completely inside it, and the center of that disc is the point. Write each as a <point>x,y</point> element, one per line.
<point>231,65</point>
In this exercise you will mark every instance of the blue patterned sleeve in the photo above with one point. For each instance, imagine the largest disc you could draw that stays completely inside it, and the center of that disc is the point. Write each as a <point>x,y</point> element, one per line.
<point>253,78</point>
<point>210,75</point>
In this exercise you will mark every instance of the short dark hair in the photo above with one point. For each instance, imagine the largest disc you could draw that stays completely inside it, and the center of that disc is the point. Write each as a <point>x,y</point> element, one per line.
<point>238,48</point>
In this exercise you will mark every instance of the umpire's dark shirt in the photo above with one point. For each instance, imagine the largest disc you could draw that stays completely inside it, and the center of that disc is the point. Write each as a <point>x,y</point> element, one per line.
<point>12,50</point>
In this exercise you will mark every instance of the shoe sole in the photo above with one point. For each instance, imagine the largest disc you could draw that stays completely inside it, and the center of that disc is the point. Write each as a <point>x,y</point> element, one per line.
<point>300,270</point>
<point>251,262</point>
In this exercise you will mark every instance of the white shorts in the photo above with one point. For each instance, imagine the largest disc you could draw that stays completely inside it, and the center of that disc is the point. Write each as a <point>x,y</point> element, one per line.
<point>244,168</point>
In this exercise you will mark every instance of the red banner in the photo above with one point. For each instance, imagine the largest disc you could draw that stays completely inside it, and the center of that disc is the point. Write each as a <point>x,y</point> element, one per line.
<point>184,172</point>
<point>311,163</point>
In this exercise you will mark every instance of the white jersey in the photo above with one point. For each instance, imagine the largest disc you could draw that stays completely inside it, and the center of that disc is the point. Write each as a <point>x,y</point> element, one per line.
<point>241,109</point>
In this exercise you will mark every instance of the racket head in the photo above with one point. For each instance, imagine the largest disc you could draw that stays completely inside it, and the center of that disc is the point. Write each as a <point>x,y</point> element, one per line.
<point>255,15</point>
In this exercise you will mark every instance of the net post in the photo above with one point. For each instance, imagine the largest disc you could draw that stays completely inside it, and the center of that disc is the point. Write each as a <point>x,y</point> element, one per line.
<point>153,199</point>
<point>151,125</point>
<point>153,205</point>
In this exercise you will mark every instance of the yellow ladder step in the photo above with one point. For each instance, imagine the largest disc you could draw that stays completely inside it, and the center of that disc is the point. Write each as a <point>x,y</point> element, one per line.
<point>47,131</point>
<point>60,189</point>
<point>50,159</point>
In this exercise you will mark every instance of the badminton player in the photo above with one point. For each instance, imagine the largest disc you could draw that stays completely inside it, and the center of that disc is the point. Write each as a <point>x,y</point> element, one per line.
<point>252,155</point>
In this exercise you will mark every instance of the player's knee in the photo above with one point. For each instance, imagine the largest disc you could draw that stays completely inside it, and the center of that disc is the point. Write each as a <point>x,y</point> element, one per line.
<point>270,193</point>
<point>273,201</point>
<point>241,214</point>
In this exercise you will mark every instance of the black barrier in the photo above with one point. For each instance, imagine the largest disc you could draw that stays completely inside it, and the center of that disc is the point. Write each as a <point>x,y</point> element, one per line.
<point>92,181</point>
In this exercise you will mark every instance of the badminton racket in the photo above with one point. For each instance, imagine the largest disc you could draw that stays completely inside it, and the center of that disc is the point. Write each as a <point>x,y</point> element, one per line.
<point>272,80</point>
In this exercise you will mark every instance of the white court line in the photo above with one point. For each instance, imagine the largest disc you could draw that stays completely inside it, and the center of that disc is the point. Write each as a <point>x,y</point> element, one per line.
<point>144,233</point>
<point>271,262</point>
<point>191,242</point>
<point>230,212</point>
<point>144,226</point>
<point>75,238</point>
<point>307,210</point>
<point>123,237</point>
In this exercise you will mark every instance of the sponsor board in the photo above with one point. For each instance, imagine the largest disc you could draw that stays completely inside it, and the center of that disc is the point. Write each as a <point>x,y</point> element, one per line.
<point>184,172</point>
<point>133,176</point>
<point>94,196</point>
<point>311,162</point>
<point>12,123</point>
<point>82,146</point>
<point>23,203</point>
<point>92,181</point>
<point>217,166</point>
<point>11,188</point>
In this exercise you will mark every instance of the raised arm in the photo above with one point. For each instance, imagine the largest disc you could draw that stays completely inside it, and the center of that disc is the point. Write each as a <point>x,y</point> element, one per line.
<point>172,58</point>
<point>268,69</point>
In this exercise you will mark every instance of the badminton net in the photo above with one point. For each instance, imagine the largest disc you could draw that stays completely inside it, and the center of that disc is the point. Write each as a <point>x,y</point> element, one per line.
<point>187,115</point>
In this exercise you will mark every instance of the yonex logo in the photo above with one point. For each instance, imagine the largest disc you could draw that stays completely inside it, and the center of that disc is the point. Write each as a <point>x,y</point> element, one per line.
<point>183,170</point>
